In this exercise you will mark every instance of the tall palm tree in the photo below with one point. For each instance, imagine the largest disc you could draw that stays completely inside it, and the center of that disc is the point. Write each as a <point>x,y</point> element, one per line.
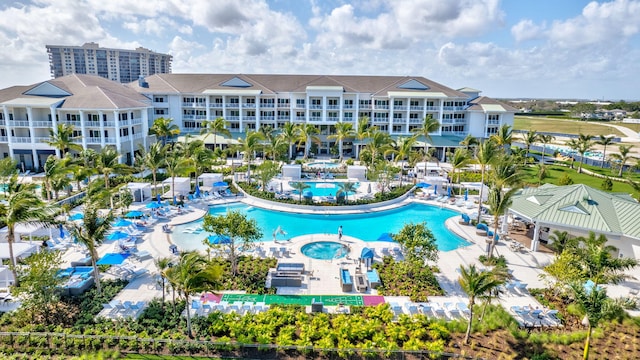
<point>193,274</point>
<point>530,138</point>
<point>274,146</point>
<point>22,206</point>
<point>215,127</point>
<point>428,126</point>
<point>363,131</point>
<point>61,137</point>
<point>300,186</point>
<point>290,135</point>
<point>379,144</point>
<point>153,159</point>
<point>584,144</point>
<point>346,188</point>
<point>107,163</point>
<point>504,137</point>
<point>545,139</point>
<point>402,149</point>
<point>487,154</point>
<point>459,160</point>
<point>573,145</point>
<point>91,232</point>
<point>598,262</point>
<point>561,240</point>
<point>176,164</point>
<point>343,131</point>
<point>605,141</point>
<point>622,157</point>
<point>249,145</point>
<point>307,134</point>
<point>476,283</point>
<point>163,264</point>
<point>53,168</point>
<point>506,173</point>
<point>469,143</point>
<point>164,128</point>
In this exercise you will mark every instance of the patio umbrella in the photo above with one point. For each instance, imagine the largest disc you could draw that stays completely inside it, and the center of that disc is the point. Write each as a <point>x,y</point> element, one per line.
<point>76,216</point>
<point>366,253</point>
<point>219,239</point>
<point>62,233</point>
<point>221,184</point>
<point>281,187</point>
<point>134,214</point>
<point>369,189</point>
<point>385,237</point>
<point>112,259</point>
<point>122,223</point>
<point>158,198</point>
<point>466,194</point>
<point>435,189</point>
<point>175,201</point>
<point>422,185</point>
<point>154,205</point>
<point>449,191</point>
<point>196,192</point>
<point>117,235</point>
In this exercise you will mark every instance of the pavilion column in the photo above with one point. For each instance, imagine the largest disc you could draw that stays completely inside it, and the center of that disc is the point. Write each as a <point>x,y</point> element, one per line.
<point>536,237</point>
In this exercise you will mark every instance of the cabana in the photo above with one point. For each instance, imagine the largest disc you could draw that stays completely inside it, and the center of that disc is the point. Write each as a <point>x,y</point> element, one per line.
<point>293,171</point>
<point>141,191</point>
<point>207,180</point>
<point>182,187</point>
<point>357,172</point>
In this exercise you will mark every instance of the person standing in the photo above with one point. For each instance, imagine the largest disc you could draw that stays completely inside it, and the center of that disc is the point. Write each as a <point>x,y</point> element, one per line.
<point>340,232</point>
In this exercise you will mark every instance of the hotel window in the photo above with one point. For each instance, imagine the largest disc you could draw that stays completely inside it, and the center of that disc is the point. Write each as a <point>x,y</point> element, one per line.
<point>158,99</point>
<point>2,116</point>
<point>235,113</point>
<point>316,114</point>
<point>397,116</point>
<point>283,102</point>
<point>348,103</point>
<point>445,128</point>
<point>365,102</point>
<point>414,116</point>
<point>494,117</point>
<point>458,116</point>
<point>234,101</point>
<point>76,133</point>
<point>458,128</point>
<point>414,103</point>
<point>398,102</point>
<point>188,100</point>
<point>300,102</point>
<point>382,103</point>
<point>492,130</point>
<point>333,102</point>
<point>397,128</point>
<point>217,101</point>
<point>160,111</point>
<point>430,103</point>
<point>95,133</point>
<point>348,115</point>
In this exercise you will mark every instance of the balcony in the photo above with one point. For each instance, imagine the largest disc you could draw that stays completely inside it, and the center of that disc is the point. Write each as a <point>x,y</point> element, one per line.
<point>453,108</point>
<point>315,107</point>
<point>284,105</point>
<point>300,106</point>
<point>446,121</point>
<point>248,105</point>
<point>284,117</point>
<point>194,117</point>
<point>233,105</point>
<point>333,107</point>
<point>2,122</point>
<point>365,106</point>
<point>248,118</point>
<point>268,118</point>
<point>416,108</point>
<point>44,124</point>
<point>333,118</point>
<point>3,139</point>
<point>19,123</point>
<point>433,108</point>
<point>216,105</point>
<point>232,118</point>
<point>415,121</point>
<point>347,119</point>
<point>315,118</point>
<point>400,107</point>
<point>301,118</point>
<point>382,107</point>
<point>267,105</point>
<point>21,139</point>
<point>347,106</point>
<point>193,104</point>
<point>380,120</point>
<point>399,120</point>
<point>493,122</point>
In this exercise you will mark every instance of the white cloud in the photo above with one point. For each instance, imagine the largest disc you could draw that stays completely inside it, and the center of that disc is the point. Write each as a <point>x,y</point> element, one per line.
<point>527,30</point>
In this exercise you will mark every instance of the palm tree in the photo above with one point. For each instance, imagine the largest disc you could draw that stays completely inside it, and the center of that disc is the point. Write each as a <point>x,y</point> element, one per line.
<point>61,137</point>
<point>545,139</point>
<point>573,145</point>
<point>307,134</point>
<point>176,164</point>
<point>379,144</point>
<point>584,144</point>
<point>153,159</point>
<point>499,203</point>
<point>300,186</point>
<point>343,131</point>
<point>402,149</point>
<point>504,137</point>
<point>476,283</point>
<point>164,128</point>
<point>429,125</point>
<point>91,232</point>
<point>107,164</point>
<point>163,264</point>
<point>459,160</point>
<point>362,132</point>
<point>561,240</point>
<point>53,168</point>
<point>530,138</point>
<point>623,156</point>
<point>249,145</point>
<point>215,127</point>
<point>274,146</point>
<point>598,262</point>
<point>346,188</point>
<point>193,274</point>
<point>22,206</point>
<point>487,154</point>
<point>470,142</point>
<point>605,141</point>
<point>290,135</point>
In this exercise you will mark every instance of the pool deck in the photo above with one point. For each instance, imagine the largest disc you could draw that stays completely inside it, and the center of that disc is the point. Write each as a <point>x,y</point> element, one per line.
<point>321,277</point>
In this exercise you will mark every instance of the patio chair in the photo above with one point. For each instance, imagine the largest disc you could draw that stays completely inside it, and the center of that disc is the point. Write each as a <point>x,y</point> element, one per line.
<point>464,309</point>
<point>425,309</point>
<point>438,311</point>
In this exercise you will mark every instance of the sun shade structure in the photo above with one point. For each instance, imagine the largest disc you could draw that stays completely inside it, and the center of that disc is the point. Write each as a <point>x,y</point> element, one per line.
<point>134,214</point>
<point>422,185</point>
<point>112,259</point>
<point>118,235</point>
<point>366,253</point>
<point>579,209</point>
<point>385,237</point>
<point>219,239</point>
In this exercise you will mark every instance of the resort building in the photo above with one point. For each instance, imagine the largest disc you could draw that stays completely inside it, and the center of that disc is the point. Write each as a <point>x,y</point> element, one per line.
<point>114,64</point>
<point>395,104</point>
<point>102,112</point>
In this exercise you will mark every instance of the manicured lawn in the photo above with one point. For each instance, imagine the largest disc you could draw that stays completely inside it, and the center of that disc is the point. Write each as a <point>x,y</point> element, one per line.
<point>542,124</point>
<point>556,172</point>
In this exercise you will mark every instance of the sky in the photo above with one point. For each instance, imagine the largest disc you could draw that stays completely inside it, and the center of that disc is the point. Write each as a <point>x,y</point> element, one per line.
<point>570,49</point>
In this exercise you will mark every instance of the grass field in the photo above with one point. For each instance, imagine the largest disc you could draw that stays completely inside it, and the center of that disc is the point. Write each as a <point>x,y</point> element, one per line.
<point>564,126</point>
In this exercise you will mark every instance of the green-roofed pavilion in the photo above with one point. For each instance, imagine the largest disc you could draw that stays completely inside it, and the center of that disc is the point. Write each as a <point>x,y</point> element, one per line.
<point>580,209</point>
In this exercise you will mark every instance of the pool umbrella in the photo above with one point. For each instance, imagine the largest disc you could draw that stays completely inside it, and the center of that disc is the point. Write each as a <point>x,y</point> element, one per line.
<point>281,187</point>
<point>154,205</point>
<point>175,201</point>
<point>158,198</point>
<point>134,214</point>
<point>196,192</point>
<point>385,237</point>
<point>369,189</point>
<point>219,239</point>
<point>76,216</point>
<point>448,191</point>
<point>435,189</point>
<point>112,259</point>
<point>422,185</point>
<point>62,233</point>
<point>366,253</point>
<point>122,223</point>
<point>117,235</point>
<point>221,184</point>
<point>466,194</point>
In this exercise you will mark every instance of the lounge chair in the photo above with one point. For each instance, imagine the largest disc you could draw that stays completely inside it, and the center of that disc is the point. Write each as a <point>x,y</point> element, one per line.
<point>438,311</point>
<point>464,309</point>
<point>424,309</point>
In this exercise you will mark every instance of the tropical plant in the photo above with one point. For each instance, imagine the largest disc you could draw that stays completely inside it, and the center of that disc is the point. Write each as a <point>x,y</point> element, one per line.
<point>504,137</point>
<point>486,154</point>
<point>153,159</point>
<point>241,231</point>
<point>584,144</point>
<point>573,145</point>
<point>164,128</point>
<point>561,240</point>
<point>192,274</point>
<point>346,188</point>
<point>428,126</point>
<point>91,232</point>
<point>470,142</point>
<point>300,186</point>
<point>61,137</point>
<point>605,141</point>
<point>307,134</point>
<point>267,171</point>
<point>290,135</point>
<point>248,146</point>
<point>107,163</point>
<point>379,144</point>
<point>459,160</point>
<point>175,165</point>
<point>53,168</point>
<point>274,146</point>
<point>598,262</point>
<point>343,131</point>
<point>476,283</point>
<point>541,172</point>
<point>530,138</point>
<point>215,127</point>
<point>545,139</point>
<point>623,156</point>
<point>363,130</point>
<point>418,243</point>
<point>499,203</point>
<point>22,206</point>
<point>402,149</point>
<point>163,264</point>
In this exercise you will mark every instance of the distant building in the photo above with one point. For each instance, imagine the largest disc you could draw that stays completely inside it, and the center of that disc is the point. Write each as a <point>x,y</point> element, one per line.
<point>114,64</point>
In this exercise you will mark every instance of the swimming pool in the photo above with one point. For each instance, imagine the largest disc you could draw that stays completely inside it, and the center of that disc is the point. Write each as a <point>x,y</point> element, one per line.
<point>324,165</point>
<point>324,250</point>
<point>323,188</point>
<point>367,227</point>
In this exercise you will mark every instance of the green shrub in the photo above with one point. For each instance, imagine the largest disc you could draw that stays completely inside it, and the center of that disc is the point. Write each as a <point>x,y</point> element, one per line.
<point>607,184</point>
<point>565,180</point>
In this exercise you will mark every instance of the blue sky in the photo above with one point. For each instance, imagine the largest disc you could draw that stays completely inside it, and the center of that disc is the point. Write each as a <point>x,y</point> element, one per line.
<point>507,49</point>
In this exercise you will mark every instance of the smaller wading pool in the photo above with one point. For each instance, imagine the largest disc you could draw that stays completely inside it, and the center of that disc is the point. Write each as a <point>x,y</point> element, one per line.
<point>325,250</point>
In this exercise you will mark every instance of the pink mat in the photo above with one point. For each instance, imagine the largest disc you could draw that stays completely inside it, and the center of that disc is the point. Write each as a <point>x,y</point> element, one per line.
<point>211,297</point>
<point>372,300</point>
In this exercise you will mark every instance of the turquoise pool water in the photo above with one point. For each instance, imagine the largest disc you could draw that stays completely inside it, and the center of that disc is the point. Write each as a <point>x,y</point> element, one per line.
<point>323,165</point>
<point>323,188</point>
<point>367,227</point>
<point>324,250</point>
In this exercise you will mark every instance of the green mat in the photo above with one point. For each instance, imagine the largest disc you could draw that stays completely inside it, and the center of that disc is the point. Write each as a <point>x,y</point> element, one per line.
<point>327,300</point>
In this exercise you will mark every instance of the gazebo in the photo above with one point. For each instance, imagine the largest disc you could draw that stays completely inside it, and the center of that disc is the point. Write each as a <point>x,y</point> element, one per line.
<point>141,191</point>
<point>580,209</point>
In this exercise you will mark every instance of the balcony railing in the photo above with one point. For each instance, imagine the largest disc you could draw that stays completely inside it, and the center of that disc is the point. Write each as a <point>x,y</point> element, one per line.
<point>347,106</point>
<point>432,108</point>
<point>299,106</point>
<point>333,107</point>
<point>416,108</point>
<point>284,117</point>
<point>380,120</point>
<point>284,106</point>
<point>194,117</point>
<point>315,118</point>
<point>21,139</point>
<point>382,107</point>
<point>333,118</point>
<point>399,120</point>
<point>193,104</point>
<point>493,122</point>
<point>3,139</point>
<point>400,107</point>
<point>216,105</point>
<point>233,105</point>
<point>315,107</point>
<point>365,106</point>
<point>267,105</point>
<point>268,118</point>
<point>232,118</point>
<point>249,105</point>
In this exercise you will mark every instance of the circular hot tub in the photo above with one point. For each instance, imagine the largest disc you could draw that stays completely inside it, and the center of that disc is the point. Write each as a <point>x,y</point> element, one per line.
<point>325,250</point>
